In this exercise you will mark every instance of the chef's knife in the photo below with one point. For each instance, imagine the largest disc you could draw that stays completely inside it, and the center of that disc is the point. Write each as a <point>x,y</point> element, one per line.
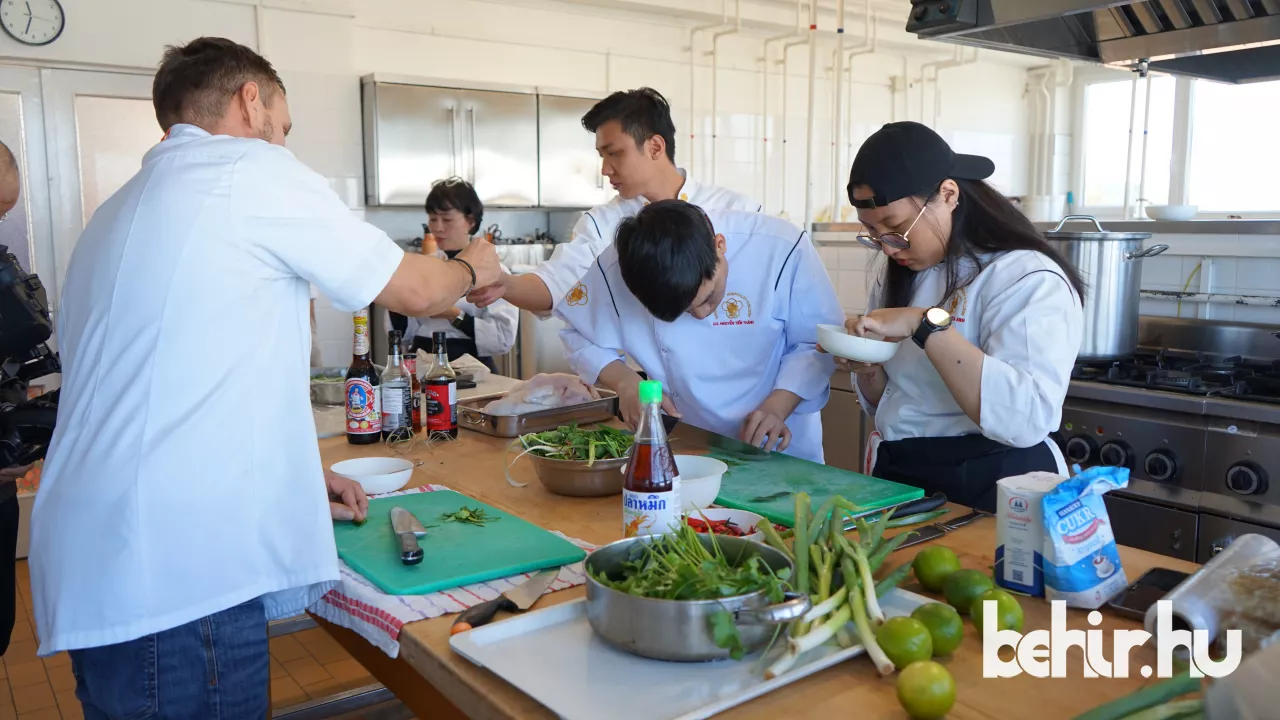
<point>408,529</point>
<point>517,599</point>
<point>736,447</point>
<point>938,529</point>
<point>924,534</point>
<point>923,505</point>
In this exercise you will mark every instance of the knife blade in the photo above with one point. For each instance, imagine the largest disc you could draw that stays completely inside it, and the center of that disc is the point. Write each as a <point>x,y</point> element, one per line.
<point>923,505</point>
<point>408,529</point>
<point>517,599</point>
<point>923,535</point>
<point>736,447</point>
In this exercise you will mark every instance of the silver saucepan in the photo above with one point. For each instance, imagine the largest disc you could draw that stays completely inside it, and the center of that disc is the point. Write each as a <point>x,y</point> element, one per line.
<point>680,629</point>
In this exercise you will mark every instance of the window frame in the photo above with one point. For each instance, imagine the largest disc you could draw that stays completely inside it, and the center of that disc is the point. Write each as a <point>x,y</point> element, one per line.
<point>1180,158</point>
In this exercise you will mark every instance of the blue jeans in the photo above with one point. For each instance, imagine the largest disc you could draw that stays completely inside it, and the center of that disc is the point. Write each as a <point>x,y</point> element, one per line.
<point>215,667</point>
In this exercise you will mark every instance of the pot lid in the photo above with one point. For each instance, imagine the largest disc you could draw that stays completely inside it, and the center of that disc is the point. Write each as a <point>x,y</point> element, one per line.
<point>1098,233</point>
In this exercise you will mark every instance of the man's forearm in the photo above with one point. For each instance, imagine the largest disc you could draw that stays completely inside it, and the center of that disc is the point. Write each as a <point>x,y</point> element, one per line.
<point>616,374</point>
<point>527,292</point>
<point>781,403</point>
<point>425,286</point>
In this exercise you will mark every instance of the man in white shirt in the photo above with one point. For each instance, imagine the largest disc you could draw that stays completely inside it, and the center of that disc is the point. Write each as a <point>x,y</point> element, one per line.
<point>723,307</point>
<point>636,139</point>
<point>183,504</point>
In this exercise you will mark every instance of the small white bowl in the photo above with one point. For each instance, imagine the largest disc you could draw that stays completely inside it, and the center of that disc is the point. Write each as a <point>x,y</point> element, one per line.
<point>376,475</point>
<point>1174,213</point>
<point>742,518</point>
<point>699,480</point>
<point>837,341</point>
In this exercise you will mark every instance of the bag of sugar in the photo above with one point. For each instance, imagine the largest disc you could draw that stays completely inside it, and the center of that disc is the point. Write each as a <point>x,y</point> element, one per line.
<point>1020,535</point>
<point>1081,563</point>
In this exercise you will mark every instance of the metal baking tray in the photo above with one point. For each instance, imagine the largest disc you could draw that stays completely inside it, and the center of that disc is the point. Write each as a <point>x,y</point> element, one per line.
<point>471,415</point>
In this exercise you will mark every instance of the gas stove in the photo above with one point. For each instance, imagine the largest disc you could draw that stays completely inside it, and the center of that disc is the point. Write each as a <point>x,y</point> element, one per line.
<point>1191,373</point>
<point>1195,416</point>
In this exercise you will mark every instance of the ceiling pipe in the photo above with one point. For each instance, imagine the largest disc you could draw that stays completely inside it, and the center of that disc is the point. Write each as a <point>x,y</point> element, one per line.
<point>786,84</point>
<point>715,75</point>
<point>1140,72</point>
<point>959,61</point>
<point>1035,80</point>
<point>764,112</point>
<point>870,43</point>
<point>1142,164</point>
<point>837,105</point>
<point>693,77</point>
<point>813,120</point>
<point>1047,164</point>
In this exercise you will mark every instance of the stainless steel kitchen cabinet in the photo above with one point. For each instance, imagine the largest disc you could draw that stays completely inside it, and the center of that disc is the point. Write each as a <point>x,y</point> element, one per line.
<point>418,134</point>
<point>569,166</point>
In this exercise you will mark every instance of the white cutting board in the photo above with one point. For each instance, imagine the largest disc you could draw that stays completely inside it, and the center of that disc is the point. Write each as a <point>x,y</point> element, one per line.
<point>553,656</point>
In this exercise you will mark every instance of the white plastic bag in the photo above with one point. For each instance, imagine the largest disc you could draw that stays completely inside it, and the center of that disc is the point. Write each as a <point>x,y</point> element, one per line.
<point>543,392</point>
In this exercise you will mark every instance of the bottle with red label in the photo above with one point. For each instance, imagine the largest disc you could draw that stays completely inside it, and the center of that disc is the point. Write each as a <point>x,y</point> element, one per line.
<point>651,490</point>
<point>440,393</point>
<point>364,397</point>
<point>411,364</point>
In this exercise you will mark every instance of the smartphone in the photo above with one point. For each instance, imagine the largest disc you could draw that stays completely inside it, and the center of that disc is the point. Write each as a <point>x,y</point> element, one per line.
<point>1152,586</point>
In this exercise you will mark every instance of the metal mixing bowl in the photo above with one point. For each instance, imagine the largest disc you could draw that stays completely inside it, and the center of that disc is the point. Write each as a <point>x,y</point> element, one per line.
<point>576,479</point>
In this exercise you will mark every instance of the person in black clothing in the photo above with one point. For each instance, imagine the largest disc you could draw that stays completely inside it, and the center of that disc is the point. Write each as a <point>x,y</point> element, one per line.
<point>10,188</point>
<point>454,213</point>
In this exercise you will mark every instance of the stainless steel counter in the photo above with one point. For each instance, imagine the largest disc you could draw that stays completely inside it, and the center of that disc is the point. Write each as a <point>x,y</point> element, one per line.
<point>1160,227</point>
<point>1175,402</point>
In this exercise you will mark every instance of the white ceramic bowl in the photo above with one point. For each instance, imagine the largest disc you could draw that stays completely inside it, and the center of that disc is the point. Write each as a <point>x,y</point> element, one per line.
<point>699,480</point>
<point>1172,212</point>
<point>376,475</point>
<point>835,340</point>
<point>742,518</point>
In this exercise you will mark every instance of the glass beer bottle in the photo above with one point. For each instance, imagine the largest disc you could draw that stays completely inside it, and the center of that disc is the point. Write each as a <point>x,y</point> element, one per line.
<point>364,398</point>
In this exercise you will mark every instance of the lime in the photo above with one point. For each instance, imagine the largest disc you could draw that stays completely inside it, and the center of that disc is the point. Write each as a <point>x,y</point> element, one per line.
<point>932,566</point>
<point>905,640</point>
<point>926,690</point>
<point>1008,610</point>
<point>945,626</point>
<point>964,586</point>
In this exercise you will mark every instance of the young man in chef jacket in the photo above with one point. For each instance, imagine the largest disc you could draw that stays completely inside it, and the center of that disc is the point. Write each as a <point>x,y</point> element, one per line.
<point>183,504</point>
<point>723,307</point>
<point>636,139</point>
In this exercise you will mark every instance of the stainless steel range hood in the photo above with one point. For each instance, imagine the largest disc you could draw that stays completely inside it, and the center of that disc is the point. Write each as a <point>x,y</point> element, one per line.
<point>1232,41</point>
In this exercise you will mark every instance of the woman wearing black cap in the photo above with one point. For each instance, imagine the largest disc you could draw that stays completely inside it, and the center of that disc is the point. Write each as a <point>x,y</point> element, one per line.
<point>991,314</point>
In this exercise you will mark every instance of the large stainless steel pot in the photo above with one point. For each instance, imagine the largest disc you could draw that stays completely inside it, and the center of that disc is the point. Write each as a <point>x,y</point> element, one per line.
<point>1109,264</point>
<point>680,629</point>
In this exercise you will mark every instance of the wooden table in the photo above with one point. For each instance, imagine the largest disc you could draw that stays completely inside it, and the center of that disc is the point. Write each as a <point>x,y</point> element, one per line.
<point>436,683</point>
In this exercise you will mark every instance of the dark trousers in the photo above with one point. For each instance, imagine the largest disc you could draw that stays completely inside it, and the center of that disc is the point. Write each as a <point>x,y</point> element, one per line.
<point>8,583</point>
<point>966,468</point>
<point>215,667</point>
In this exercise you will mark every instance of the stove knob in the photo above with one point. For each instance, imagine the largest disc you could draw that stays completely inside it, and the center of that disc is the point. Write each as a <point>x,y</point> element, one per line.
<point>1161,465</point>
<point>1247,478</point>
<point>1115,454</point>
<point>1080,449</point>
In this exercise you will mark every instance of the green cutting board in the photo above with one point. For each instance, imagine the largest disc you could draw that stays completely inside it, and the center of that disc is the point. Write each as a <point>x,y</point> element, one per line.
<point>758,478</point>
<point>455,553</point>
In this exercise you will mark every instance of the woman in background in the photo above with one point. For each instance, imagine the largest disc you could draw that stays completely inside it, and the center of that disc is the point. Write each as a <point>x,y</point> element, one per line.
<point>454,213</point>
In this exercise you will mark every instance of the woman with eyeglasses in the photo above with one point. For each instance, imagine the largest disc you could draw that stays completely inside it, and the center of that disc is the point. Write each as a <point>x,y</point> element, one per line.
<point>989,314</point>
<point>454,214</point>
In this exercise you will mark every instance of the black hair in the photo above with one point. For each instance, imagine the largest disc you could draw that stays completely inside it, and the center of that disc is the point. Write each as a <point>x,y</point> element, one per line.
<point>196,81</point>
<point>665,252</point>
<point>456,194</point>
<point>642,113</point>
<point>984,221</point>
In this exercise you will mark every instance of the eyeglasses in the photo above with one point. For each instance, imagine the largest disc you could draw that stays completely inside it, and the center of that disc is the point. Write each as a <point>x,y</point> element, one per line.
<point>897,241</point>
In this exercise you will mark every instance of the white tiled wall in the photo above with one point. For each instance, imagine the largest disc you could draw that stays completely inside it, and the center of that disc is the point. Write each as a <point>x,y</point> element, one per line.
<point>851,267</point>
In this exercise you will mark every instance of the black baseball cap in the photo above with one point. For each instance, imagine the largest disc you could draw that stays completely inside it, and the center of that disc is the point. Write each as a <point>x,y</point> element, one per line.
<point>906,159</point>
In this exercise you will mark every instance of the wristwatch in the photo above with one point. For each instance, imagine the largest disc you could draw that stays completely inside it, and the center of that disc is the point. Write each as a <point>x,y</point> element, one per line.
<point>935,320</point>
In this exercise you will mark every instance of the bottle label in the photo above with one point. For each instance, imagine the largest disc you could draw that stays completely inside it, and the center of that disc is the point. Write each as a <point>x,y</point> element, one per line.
<point>442,406</point>
<point>394,408</point>
<point>361,345</point>
<point>364,408</point>
<point>651,513</point>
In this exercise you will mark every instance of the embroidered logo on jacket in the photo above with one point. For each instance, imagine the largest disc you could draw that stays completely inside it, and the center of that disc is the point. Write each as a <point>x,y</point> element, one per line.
<point>577,295</point>
<point>735,309</point>
<point>958,305</point>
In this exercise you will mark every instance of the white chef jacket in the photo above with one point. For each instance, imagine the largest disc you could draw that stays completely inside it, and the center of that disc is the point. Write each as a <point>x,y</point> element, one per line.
<point>184,477</point>
<point>763,336</point>
<point>1021,311</point>
<point>495,325</point>
<point>596,228</point>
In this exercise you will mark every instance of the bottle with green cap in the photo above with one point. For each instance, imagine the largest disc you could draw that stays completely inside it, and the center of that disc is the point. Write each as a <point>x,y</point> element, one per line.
<point>651,491</point>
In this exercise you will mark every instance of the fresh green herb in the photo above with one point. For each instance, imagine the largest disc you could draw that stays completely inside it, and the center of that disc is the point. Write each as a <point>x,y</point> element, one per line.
<point>469,516</point>
<point>725,634</point>
<point>770,498</point>
<point>569,442</point>
<point>1148,697</point>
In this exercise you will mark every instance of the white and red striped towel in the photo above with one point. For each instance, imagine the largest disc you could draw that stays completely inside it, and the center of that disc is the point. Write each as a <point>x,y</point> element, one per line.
<point>378,617</point>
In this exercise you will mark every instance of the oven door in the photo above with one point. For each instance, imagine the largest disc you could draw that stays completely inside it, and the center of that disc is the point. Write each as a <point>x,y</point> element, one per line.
<point>1216,533</point>
<point>1152,527</point>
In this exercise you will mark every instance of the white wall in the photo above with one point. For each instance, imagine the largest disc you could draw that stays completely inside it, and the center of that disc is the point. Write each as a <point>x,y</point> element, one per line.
<point>322,47</point>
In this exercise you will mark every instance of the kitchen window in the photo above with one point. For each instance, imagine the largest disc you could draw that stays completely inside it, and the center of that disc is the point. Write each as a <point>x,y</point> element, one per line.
<point>1207,145</point>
